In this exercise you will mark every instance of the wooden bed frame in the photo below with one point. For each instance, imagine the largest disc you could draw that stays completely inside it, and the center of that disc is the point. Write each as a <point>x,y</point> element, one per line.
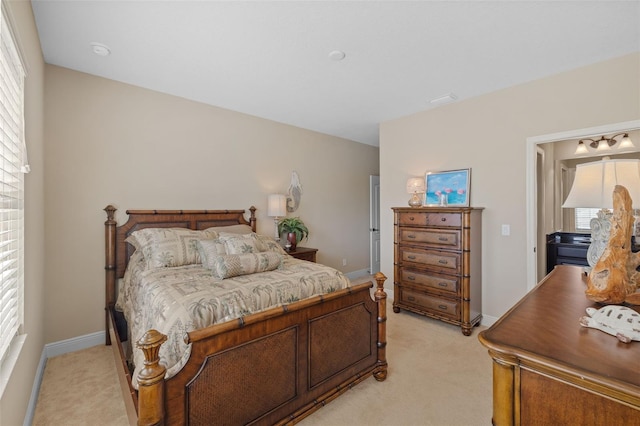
<point>273,367</point>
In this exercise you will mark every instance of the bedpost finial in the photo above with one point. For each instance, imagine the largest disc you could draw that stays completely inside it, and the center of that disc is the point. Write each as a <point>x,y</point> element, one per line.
<point>380,279</point>
<point>252,219</point>
<point>110,212</point>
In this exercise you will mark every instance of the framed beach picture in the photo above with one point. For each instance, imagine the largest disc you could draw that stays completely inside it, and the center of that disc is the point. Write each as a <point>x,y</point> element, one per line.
<point>449,188</point>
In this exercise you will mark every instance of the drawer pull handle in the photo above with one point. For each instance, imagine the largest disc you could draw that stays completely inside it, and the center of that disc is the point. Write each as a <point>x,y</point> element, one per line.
<point>442,262</point>
<point>411,257</point>
<point>411,299</point>
<point>443,239</point>
<point>444,219</point>
<point>441,284</point>
<point>443,307</point>
<point>411,278</point>
<point>411,236</point>
<point>411,218</point>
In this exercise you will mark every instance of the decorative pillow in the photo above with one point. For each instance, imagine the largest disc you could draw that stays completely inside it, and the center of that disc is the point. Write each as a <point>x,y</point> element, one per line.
<point>270,244</point>
<point>168,247</point>
<point>241,244</point>
<point>232,229</point>
<point>233,265</point>
<point>209,250</point>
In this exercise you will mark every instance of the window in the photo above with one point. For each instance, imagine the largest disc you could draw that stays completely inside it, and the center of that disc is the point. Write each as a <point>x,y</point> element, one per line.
<point>583,218</point>
<point>12,168</point>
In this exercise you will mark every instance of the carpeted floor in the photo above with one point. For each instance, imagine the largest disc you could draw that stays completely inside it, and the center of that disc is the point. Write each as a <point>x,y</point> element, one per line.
<point>437,376</point>
<point>81,388</point>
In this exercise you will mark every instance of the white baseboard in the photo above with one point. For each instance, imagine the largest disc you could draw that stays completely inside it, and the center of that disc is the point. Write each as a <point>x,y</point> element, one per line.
<point>488,320</point>
<point>55,349</point>
<point>74,344</point>
<point>35,390</point>
<point>357,274</point>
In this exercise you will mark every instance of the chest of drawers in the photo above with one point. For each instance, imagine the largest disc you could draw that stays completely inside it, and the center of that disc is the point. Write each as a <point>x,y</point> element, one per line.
<point>437,263</point>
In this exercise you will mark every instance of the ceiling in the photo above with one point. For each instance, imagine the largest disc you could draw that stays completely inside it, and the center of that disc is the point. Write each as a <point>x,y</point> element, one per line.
<point>271,58</point>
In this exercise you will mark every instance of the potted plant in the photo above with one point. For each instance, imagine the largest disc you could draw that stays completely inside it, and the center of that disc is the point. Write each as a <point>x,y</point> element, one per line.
<point>295,229</point>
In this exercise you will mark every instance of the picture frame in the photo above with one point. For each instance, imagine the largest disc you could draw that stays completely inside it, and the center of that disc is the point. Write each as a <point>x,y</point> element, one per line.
<point>455,184</point>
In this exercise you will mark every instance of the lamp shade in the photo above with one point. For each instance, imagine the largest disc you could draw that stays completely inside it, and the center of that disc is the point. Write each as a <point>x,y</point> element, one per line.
<point>581,149</point>
<point>594,182</point>
<point>626,142</point>
<point>276,205</point>
<point>415,184</point>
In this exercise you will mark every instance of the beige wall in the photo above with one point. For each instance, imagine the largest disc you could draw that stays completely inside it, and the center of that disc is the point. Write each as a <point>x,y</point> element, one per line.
<point>488,134</point>
<point>15,398</point>
<point>109,142</point>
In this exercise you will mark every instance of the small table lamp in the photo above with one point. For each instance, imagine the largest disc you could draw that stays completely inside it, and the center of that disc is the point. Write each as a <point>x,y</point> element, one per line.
<point>415,186</point>
<point>277,208</point>
<point>593,188</point>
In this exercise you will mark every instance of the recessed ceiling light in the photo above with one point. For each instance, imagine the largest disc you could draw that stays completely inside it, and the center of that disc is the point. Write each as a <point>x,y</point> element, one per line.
<point>100,49</point>
<point>444,99</point>
<point>336,55</point>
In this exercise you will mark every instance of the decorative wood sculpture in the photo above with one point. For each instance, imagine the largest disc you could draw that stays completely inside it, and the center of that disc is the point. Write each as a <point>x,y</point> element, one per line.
<point>614,278</point>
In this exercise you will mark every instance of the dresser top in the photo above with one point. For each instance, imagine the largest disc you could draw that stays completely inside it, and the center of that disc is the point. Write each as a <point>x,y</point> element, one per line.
<point>543,329</point>
<point>435,208</point>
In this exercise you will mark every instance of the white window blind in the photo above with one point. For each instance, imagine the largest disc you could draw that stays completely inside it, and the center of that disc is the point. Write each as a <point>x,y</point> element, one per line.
<point>583,218</point>
<point>12,168</point>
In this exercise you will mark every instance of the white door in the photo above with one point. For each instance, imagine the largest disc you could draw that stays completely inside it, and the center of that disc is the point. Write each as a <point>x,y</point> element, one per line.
<point>374,224</point>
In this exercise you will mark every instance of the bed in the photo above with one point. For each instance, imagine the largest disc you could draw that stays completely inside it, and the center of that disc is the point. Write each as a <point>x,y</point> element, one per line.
<point>265,366</point>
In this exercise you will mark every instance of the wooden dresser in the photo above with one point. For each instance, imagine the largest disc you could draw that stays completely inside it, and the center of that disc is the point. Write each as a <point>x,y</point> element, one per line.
<point>437,263</point>
<point>549,370</point>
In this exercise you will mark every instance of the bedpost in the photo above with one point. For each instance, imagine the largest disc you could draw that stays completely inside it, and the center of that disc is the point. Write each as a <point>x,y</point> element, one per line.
<point>381,299</point>
<point>109,267</point>
<point>151,380</point>
<point>252,219</point>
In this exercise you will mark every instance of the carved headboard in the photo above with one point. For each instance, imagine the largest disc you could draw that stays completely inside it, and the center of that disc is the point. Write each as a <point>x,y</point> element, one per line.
<point>117,251</point>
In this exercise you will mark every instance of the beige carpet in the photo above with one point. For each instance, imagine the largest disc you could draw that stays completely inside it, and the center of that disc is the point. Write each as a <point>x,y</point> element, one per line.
<point>437,376</point>
<point>88,375</point>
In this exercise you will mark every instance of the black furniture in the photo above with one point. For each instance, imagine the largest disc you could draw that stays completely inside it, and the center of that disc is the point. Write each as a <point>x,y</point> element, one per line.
<point>570,248</point>
<point>567,248</point>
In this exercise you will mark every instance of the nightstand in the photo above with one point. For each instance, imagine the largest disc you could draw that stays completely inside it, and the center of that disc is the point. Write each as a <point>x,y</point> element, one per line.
<point>304,253</point>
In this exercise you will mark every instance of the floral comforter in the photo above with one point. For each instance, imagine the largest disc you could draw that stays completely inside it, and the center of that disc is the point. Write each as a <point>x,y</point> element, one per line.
<point>181,299</point>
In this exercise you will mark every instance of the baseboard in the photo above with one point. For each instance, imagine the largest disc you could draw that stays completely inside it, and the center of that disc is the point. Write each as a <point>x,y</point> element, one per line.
<point>55,349</point>
<point>35,390</point>
<point>357,274</point>
<point>74,344</point>
<point>488,320</point>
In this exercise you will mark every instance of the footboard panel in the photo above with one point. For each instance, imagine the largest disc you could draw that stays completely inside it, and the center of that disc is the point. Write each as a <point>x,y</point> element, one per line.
<point>340,340</point>
<point>238,386</point>
<point>268,368</point>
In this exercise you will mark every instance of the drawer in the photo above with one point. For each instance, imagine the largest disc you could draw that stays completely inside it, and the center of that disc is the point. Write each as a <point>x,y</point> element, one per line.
<point>433,237</point>
<point>430,219</point>
<point>434,304</point>
<point>567,251</point>
<point>443,260</point>
<point>445,283</point>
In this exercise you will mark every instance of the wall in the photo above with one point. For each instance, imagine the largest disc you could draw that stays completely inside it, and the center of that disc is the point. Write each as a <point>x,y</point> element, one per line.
<point>488,134</point>
<point>112,143</point>
<point>15,398</point>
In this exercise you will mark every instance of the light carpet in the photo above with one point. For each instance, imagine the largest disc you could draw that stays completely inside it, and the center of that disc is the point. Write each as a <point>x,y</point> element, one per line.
<point>437,376</point>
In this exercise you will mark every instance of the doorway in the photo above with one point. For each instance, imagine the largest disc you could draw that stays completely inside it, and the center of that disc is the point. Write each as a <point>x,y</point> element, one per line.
<point>374,224</point>
<point>531,179</point>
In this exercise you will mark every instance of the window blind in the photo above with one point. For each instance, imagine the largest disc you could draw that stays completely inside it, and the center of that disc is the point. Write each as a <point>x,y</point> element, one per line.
<point>583,218</point>
<point>12,168</point>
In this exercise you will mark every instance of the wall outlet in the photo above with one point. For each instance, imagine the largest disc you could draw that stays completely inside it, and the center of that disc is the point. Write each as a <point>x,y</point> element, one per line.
<point>506,230</point>
<point>344,262</point>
